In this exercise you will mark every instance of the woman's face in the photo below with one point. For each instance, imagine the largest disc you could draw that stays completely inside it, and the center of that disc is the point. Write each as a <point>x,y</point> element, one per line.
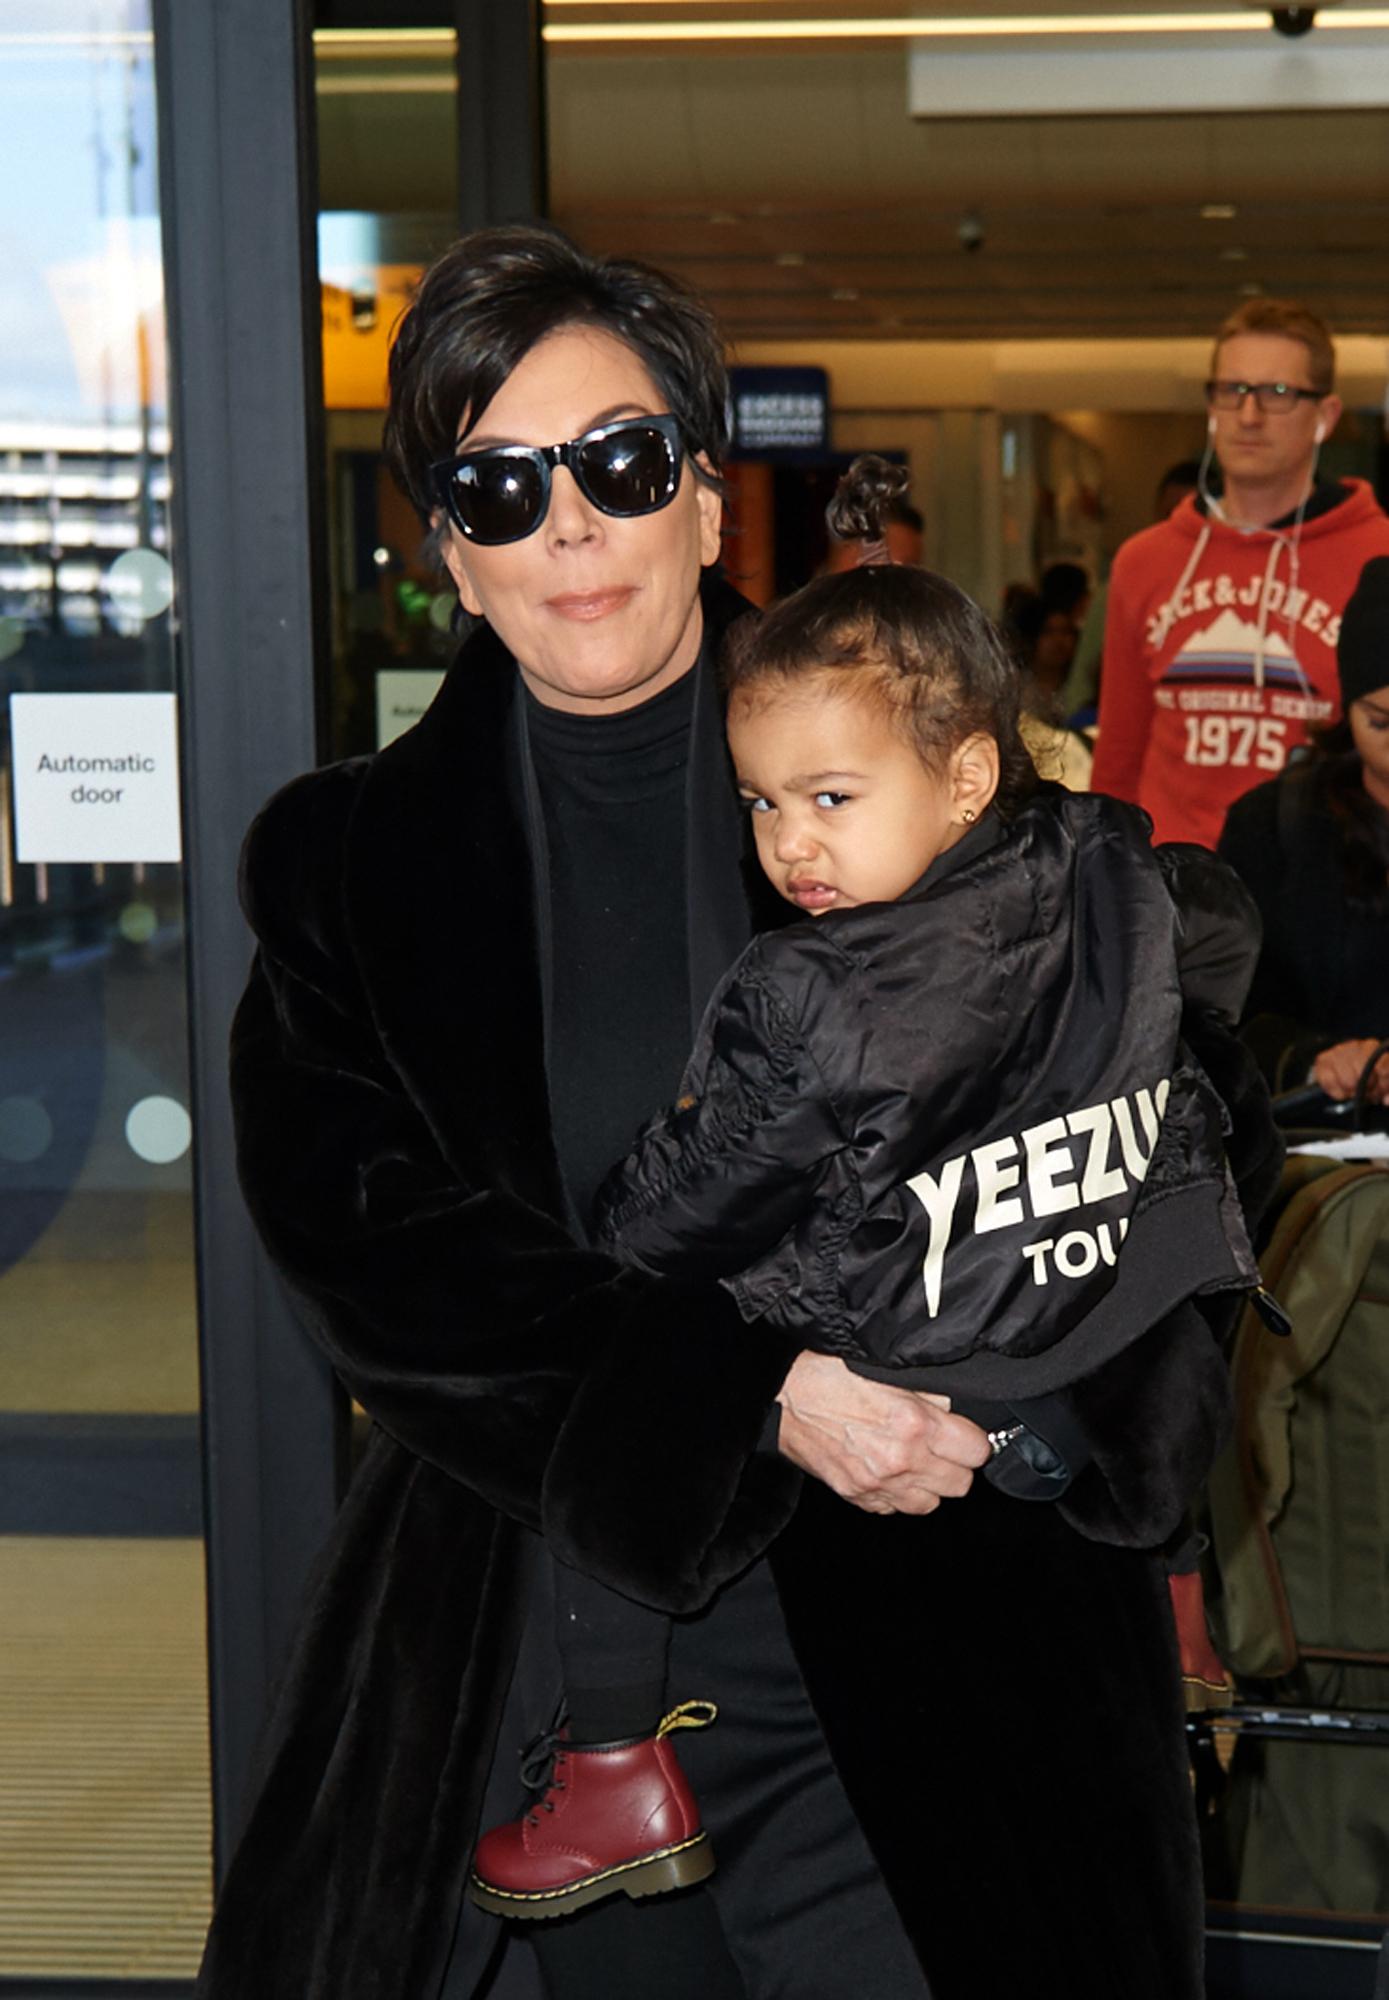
<point>1055,649</point>
<point>600,613</point>
<point>1369,726</point>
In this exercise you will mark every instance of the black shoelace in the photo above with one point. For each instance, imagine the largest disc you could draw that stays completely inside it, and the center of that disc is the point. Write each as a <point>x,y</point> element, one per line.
<point>540,1761</point>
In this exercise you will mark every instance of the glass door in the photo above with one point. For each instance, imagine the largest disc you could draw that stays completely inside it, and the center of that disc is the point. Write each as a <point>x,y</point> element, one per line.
<point>105,1818</point>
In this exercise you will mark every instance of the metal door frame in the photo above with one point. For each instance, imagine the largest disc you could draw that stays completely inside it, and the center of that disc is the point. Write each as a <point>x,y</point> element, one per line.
<point>237,198</point>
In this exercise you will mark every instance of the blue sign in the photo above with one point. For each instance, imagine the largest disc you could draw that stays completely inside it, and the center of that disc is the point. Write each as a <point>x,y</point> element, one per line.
<point>776,410</point>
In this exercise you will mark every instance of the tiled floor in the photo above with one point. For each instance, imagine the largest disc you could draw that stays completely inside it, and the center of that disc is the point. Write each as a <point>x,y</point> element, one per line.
<point>105,1820</point>
<point>100,1314</point>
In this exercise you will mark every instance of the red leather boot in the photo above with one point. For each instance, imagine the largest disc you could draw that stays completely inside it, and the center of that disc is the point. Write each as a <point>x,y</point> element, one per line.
<point>614,1817</point>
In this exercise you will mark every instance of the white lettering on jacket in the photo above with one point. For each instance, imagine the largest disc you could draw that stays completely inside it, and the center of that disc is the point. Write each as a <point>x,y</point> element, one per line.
<point>1113,1148</point>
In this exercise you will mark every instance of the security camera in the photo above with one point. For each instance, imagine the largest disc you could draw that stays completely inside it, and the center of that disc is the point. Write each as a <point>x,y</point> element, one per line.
<point>1291,20</point>
<point>970,231</point>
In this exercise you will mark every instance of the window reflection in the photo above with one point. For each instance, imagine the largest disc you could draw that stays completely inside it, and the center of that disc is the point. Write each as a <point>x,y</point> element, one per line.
<point>103,1720</point>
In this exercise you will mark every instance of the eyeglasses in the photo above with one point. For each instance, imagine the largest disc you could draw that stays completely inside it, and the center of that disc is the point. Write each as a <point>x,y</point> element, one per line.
<point>502,494</point>
<point>1275,399</point>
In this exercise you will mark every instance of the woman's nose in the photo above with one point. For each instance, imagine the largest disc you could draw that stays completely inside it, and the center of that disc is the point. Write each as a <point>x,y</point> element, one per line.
<point>571,519</point>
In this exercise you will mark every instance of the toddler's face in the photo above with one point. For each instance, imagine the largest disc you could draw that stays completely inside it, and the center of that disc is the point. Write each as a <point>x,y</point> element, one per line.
<point>843,808</point>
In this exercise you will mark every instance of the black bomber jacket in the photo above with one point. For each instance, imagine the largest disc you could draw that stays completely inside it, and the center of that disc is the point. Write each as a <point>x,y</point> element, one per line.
<point>959,1139</point>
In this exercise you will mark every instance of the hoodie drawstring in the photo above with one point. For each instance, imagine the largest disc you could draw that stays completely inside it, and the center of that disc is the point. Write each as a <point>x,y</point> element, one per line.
<point>1193,561</point>
<point>1260,643</point>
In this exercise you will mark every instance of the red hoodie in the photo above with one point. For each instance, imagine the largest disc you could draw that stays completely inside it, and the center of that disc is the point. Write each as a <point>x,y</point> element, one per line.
<point>1219,650</point>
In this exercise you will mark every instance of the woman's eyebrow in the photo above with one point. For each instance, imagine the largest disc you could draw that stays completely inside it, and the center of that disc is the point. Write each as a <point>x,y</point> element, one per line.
<point>489,442</point>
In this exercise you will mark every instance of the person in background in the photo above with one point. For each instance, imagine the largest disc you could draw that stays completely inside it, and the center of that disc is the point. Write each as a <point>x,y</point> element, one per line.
<point>1066,586</point>
<point>1079,697</point>
<point>1041,639</point>
<point>1313,849</point>
<point>1220,640</point>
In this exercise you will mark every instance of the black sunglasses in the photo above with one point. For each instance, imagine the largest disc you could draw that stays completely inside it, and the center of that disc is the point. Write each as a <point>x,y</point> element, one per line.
<point>1273,398</point>
<point>502,494</point>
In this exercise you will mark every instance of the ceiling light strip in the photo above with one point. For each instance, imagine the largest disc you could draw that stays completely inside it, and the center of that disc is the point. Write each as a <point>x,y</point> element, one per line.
<point>985,28</point>
<point>368,37</point>
<point>408,42</point>
<point>383,44</point>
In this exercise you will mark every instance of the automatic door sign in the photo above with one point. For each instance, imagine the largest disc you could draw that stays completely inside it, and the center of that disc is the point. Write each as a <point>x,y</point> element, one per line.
<point>402,696</point>
<point>95,777</point>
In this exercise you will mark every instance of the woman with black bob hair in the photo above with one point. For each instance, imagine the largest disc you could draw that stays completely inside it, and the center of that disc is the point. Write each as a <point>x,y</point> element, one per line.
<point>481,958</point>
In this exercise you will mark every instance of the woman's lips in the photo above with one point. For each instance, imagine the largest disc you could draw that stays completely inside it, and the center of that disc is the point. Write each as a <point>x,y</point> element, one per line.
<point>811,895</point>
<point>585,606</point>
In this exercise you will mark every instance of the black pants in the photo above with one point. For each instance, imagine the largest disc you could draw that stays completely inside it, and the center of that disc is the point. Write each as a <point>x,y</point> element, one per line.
<point>605,1640</point>
<point>1005,1704</point>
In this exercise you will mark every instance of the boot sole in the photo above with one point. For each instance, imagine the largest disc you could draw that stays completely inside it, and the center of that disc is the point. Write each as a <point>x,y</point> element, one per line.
<point>1199,1695</point>
<point>651,1875</point>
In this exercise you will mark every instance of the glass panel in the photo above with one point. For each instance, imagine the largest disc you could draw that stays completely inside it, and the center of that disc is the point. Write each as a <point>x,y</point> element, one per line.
<point>105,1823</point>
<point>387,140</point>
<point>1021,308</point>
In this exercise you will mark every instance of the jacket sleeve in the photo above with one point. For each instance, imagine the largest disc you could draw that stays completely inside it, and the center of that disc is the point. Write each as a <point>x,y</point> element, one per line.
<point>544,1376</point>
<point>1219,933</point>
<point>1219,929</point>
<point>716,1181</point>
<point>1126,695</point>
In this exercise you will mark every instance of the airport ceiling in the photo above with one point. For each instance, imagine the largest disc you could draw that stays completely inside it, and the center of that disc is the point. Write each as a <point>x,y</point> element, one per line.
<point>787,180</point>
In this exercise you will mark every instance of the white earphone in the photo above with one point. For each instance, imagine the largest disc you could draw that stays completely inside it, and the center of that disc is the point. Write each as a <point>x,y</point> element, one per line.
<point>1210,426</point>
<point>1319,433</point>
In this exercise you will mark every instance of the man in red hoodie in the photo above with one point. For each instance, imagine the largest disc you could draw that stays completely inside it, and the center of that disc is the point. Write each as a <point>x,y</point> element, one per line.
<point>1220,638</point>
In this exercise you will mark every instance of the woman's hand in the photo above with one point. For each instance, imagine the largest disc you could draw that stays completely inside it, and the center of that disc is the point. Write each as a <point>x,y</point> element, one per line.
<point>887,1450</point>
<point>1337,1071</point>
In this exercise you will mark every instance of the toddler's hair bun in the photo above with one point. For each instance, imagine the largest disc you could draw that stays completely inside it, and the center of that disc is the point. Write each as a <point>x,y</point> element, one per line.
<point>863,496</point>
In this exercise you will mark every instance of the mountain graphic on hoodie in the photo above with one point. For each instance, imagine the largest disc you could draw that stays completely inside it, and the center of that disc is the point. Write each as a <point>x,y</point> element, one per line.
<point>1220,654</point>
<point>1232,652</point>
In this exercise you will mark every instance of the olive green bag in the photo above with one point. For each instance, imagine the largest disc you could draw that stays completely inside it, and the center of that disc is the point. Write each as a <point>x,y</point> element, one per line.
<point>1299,1507</point>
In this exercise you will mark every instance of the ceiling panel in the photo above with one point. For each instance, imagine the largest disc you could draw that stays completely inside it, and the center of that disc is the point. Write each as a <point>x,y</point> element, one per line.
<point>804,176</point>
<point>776,179</point>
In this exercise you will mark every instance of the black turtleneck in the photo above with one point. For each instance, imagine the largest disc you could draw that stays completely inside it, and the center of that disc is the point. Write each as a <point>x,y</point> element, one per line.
<point>612,790</point>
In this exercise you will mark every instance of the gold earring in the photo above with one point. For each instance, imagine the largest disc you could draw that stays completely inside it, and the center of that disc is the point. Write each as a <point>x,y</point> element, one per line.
<point>968,815</point>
